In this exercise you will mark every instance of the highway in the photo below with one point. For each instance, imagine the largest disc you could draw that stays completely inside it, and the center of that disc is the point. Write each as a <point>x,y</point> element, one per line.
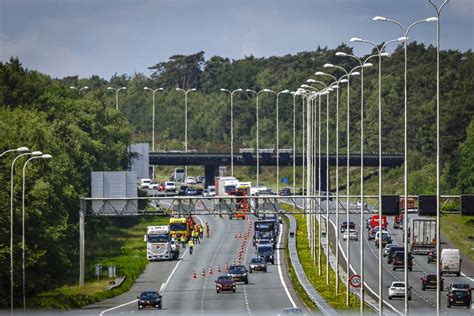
<point>423,302</point>
<point>184,295</point>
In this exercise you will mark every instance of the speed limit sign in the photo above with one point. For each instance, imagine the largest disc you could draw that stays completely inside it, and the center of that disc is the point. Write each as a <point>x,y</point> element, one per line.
<point>355,280</point>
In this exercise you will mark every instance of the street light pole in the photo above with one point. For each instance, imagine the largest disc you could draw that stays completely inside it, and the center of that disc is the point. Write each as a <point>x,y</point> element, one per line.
<point>405,154</point>
<point>45,156</point>
<point>277,142</point>
<point>116,94</point>
<point>231,127</point>
<point>153,122</point>
<point>438,210</point>
<point>258,154</point>
<point>79,89</point>
<point>186,120</point>
<point>34,153</point>
<point>380,54</point>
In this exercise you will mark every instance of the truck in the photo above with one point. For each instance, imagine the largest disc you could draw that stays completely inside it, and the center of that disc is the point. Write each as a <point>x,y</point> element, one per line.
<point>224,185</point>
<point>422,235</point>
<point>180,226</point>
<point>178,175</point>
<point>242,205</point>
<point>264,229</point>
<point>374,221</point>
<point>160,245</point>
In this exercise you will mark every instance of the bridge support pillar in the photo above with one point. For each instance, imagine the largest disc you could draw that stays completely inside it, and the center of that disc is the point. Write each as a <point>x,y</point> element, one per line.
<point>210,171</point>
<point>323,177</point>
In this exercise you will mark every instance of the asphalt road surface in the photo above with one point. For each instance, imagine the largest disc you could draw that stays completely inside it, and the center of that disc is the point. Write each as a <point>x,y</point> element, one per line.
<point>184,295</point>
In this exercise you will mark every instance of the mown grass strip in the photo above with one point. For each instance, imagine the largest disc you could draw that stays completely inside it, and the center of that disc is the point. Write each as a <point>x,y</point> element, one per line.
<point>294,279</point>
<point>120,244</point>
<point>459,230</point>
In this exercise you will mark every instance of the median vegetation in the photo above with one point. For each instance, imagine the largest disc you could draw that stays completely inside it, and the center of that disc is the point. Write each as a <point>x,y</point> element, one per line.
<point>118,243</point>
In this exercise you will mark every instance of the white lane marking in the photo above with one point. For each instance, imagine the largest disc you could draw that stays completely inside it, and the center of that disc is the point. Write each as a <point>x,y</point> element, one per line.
<point>203,297</point>
<point>365,283</point>
<point>464,275</point>
<point>283,283</point>
<point>245,288</point>
<point>163,286</point>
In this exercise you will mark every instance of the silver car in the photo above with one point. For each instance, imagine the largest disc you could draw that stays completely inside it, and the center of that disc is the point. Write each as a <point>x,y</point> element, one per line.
<point>258,264</point>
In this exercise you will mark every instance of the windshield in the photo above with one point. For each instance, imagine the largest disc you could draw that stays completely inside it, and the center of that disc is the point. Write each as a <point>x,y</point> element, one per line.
<point>398,285</point>
<point>257,260</point>
<point>460,293</point>
<point>178,226</point>
<point>265,235</point>
<point>225,278</point>
<point>265,249</point>
<point>263,227</point>
<point>237,269</point>
<point>149,296</point>
<point>461,286</point>
<point>169,183</point>
<point>158,238</point>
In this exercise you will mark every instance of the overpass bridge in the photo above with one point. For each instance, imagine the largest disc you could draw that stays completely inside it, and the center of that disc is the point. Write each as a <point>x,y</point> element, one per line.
<point>212,161</point>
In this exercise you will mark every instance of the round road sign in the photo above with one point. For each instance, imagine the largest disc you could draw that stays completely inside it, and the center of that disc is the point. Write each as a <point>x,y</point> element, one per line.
<point>355,280</point>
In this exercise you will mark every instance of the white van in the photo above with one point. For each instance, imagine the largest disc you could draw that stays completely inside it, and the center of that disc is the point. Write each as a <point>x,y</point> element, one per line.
<point>145,182</point>
<point>450,261</point>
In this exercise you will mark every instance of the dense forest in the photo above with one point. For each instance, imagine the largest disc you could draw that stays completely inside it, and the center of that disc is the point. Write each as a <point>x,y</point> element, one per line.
<point>84,132</point>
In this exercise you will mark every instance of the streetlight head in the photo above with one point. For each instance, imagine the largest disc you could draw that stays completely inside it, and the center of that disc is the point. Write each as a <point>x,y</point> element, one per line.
<point>304,86</point>
<point>22,149</point>
<point>328,65</point>
<point>37,153</point>
<point>110,88</point>
<point>344,81</point>
<point>379,18</point>
<point>124,88</point>
<point>355,73</point>
<point>71,87</point>
<point>385,54</point>
<point>193,89</point>
<point>329,90</point>
<point>310,81</point>
<point>368,65</point>
<point>85,87</point>
<point>267,90</point>
<point>46,156</point>
<point>179,89</point>
<point>239,90</point>
<point>335,86</point>
<point>223,90</point>
<point>355,39</point>
<point>319,73</point>
<point>403,38</point>
<point>432,19</point>
<point>248,90</point>
<point>146,88</point>
<point>285,91</point>
<point>342,54</point>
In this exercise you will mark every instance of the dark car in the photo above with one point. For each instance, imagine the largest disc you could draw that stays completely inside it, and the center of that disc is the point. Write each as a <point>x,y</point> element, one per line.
<point>392,251</point>
<point>266,252</point>
<point>431,256</point>
<point>225,283</point>
<point>149,299</point>
<point>199,179</point>
<point>344,226</point>
<point>459,298</point>
<point>460,286</point>
<point>398,260</point>
<point>191,191</point>
<point>258,264</point>
<point>285,192</point>
<point>182,190</point>
<point>291,311</point>
<point>429,281</point>
<point>238,273</point>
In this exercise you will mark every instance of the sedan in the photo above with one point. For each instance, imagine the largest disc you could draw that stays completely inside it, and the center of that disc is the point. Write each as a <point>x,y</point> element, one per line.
<point>149,299</point>
<point>191,180</point>
<point>239,273</point>
<point>387,249</point>
<point>429,281</point>
<point>353,235</point>
<point>191,191</point>
<point>397,289</point>
<point>225,283</point>
<point>258,264</point>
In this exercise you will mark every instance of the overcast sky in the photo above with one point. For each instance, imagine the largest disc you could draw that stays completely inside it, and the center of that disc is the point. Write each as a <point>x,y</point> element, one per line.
<point>103,37</point>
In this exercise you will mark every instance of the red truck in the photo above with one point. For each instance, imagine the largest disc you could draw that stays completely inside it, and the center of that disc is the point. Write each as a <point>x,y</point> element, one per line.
<point>374,221</point>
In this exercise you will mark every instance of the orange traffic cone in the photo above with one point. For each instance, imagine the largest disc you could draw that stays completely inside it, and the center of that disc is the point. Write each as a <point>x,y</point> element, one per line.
<point>203,273</point>
<point>219,268</point>
<point>210,271</point>
<point>194,274</point>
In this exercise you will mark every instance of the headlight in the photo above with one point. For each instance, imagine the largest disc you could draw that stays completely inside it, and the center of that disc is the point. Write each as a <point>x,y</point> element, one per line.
<point>245,274</point>
<point>271,257</point>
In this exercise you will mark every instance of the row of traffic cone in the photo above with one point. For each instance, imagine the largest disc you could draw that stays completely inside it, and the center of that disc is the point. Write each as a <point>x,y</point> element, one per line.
<point>209,271</point>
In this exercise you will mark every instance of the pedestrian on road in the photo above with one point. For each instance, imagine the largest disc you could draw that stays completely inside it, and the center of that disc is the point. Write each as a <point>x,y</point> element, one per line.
<point>207,230</point>
<point>191,246</point>
<point>201,232</point>
<point>197,241</point>
<point>183,241</point>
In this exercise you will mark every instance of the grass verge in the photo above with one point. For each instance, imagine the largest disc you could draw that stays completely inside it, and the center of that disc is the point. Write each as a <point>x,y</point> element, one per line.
<point>113,242</point>
<point>459,230</point>
<point>294,279</point>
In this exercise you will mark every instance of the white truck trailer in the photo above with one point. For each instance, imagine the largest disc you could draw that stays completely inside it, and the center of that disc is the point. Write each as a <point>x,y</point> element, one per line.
<point>160,245</point>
